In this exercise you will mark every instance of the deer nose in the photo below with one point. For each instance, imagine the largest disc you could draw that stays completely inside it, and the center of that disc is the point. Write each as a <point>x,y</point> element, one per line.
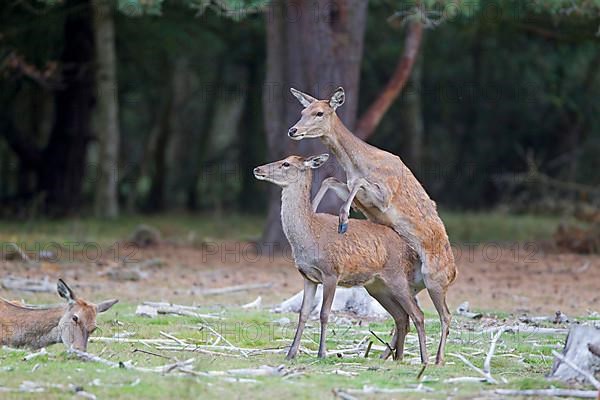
<point>256,170</point>
<point>292,131</point>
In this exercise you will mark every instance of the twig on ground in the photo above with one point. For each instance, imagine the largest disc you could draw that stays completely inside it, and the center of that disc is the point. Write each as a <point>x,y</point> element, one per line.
<point>167,335</point>
<point>254,304</point>
<point>368,348</point>
<point>469,364</point>
<point>150,353</point>
<point>31,356</point>
<point>488,359</point>
<point>384,343</point>
<point>221,337</point>
<point>420,374</point>
<point>237,288</point>
<point>583,394</point>
<point>128,365</point>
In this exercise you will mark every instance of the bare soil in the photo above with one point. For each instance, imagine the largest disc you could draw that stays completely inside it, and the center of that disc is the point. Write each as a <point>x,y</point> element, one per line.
<point>516,279</point>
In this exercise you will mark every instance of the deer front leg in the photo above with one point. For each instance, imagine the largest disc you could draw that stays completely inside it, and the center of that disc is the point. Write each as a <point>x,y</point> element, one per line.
<point>338,187</point>
<point>328,295</point>
<point>310,288</point>
<point>380,195</point>
<point>356,185</point>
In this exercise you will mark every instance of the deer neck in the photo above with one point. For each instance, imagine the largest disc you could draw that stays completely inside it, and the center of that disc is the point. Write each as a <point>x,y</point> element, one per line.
<point>350,151</point>
<point>296,211</point>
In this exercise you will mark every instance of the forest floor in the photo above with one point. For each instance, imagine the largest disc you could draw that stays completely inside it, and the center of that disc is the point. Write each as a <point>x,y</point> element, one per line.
<point>507,270</point>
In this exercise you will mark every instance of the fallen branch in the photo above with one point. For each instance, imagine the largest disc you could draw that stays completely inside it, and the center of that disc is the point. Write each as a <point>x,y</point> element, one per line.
<point>163,369</point>
<point>152,309</point>
<point>582,394</point>
<point>487,377</point>
<point>237,288</point>
<point>490,354</point>
<point>384,343</point>
<point>31,356</point>
<point>254,304</point>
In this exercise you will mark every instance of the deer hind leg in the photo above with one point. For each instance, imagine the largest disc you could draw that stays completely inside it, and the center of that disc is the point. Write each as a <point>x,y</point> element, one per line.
<point>401,320</point>
<point>404,298</point>
<point>439,271</point>
<point>438,297</point>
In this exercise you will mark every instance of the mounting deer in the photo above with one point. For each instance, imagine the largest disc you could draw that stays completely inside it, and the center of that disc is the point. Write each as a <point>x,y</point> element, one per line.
<point>385,190</point>
<point>71,324</point>
<point>370,255</point>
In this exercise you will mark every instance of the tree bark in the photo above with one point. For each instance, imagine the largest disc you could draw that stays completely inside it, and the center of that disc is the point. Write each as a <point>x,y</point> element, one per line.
<point>371,118</point>
<point>107,114</point>
<point>61,171</point>
<point>315,47</point>
<point>412,116</point>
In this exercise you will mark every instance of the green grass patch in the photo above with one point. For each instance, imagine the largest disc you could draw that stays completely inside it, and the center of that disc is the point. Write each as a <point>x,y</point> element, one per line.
<point>520,359</point>
<point>462,227</point>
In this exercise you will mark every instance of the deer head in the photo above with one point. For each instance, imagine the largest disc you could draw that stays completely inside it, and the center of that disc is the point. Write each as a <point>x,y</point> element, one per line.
<point>317,114</point>
<point>79,320</point>
<point>289,170</point>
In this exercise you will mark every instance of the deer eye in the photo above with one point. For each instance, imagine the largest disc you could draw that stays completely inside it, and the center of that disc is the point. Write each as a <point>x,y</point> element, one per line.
<point>319,114</point>
<point>286,164</point>
<point>75,318</point>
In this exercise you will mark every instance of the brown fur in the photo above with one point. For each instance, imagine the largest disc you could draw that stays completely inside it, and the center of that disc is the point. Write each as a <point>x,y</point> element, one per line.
<point>23,326</point>
<point>370,255</point>
<point>387,193</point>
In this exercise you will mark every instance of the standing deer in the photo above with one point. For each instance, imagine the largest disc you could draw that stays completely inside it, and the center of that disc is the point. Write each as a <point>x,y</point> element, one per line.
<point>385,190</point>
<point>71,324</point>
<point>370,255</point>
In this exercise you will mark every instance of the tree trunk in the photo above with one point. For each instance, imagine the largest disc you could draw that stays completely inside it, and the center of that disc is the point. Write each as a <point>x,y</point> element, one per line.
<point>314,47</point>
<point>412,117</point>
<point>107,115</point>
<point>160,139</point>
<point>371,118</point>
<point>61,171</point>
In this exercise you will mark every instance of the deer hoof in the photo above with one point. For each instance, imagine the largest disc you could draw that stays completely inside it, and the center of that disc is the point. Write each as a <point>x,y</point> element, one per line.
<point>342,227</point>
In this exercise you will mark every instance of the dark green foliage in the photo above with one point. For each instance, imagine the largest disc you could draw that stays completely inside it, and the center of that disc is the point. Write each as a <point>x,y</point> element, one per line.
<point>500,80</point>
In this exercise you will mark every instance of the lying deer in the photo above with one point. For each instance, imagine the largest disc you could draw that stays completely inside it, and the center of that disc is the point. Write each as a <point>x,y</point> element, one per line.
<point>71,324</point>
<point>386,191</point>
<point>370,255</point>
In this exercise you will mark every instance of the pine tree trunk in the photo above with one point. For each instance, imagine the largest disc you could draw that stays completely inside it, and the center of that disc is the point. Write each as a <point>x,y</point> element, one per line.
<point>107,114</point>
<point>413,117</point>
<point>61,171</point>
<point>314,47</point>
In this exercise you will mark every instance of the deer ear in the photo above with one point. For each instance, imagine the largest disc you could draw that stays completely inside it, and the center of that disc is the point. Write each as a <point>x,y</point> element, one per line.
<point>315,162</point>
<point>337,98</point>
<point>65,291</point>
<point>105,305</point>
<point>304,99</point>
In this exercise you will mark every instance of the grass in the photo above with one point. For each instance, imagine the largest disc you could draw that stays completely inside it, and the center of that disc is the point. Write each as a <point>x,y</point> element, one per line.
<point>520,359</point>
<point>462,227</point>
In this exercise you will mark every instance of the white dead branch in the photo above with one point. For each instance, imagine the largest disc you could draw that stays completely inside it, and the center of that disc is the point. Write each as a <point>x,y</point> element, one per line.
<point>582,394</point>
<point>233,289</point>
<point>420,388</point>
<point>162,369</point>
<point>486,371</point>
<point>355,300</point>
<point>31,356</point>
<point>254,304</point>
<point>152,309</point>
